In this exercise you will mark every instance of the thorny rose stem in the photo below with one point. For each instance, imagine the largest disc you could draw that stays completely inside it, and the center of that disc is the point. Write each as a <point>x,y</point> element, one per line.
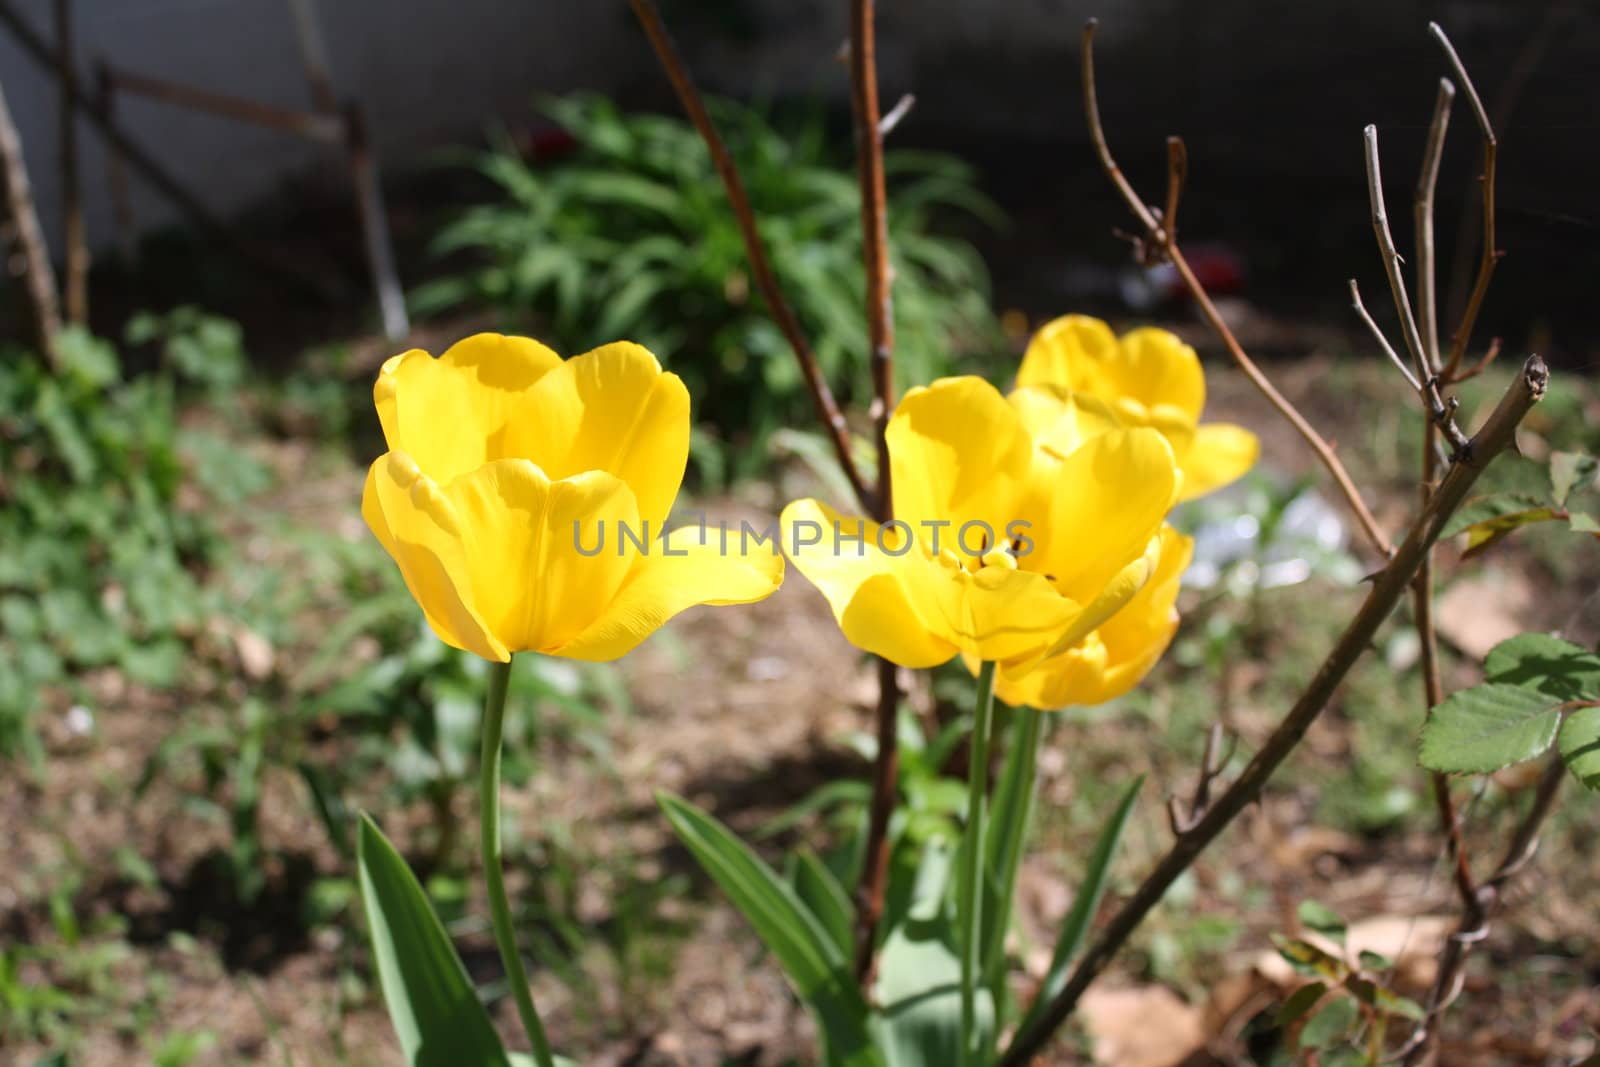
<point>782,315</point>
<point>880,336</point>
<point>870,131</point>
<point>1388,586</point>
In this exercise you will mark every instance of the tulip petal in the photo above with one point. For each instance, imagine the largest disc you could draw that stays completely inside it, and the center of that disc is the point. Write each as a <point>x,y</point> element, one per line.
<point>1117,593</point>
<point>1059,420</point>
<point>612,409</point>
<point>1116,657</point>
<point>892,599</point>
<point>547,556</point>
<point>1069,352</point>
<point>1151,367</point>
<point>862,582</point>
<point>450,414</point>
<point>959,454</point>
<point>678,573</point>
<point>417,526</point>
<point>1219,453</point>
<point>1155,366</point>
<point>1105,503</point>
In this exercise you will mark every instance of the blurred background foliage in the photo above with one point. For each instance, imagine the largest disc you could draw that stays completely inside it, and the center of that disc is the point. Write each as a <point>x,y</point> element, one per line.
<point>627,233</point>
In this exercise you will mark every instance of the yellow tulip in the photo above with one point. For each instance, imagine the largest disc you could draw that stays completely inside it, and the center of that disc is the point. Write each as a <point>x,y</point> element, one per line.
<point>1147,378</point>
<point>524,498</point>
<point>1117,655</point>
<point>1019,528</point>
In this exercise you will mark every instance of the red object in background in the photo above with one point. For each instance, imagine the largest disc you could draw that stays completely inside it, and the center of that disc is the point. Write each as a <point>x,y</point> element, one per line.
<point>549,142</point>
<point>1219,269</point>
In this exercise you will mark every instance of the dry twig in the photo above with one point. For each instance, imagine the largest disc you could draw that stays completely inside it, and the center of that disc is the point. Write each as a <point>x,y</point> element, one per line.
<point>1163,241</point>
<point>1439,410</point>
<point>1490,256</point>
<point>1480,907</point>
<point>880,336</point>
<point>1388,586</point>
<point>689,96</point>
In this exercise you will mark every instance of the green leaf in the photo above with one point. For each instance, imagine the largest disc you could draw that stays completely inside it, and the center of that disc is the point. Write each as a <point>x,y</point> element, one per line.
<point>1547,664</point>
<point>1483,535</point>
<point>1488,727</point>
<point>839,791</point>
<point>810,958</point>
<point>820,891</point>
<point>1323,919</point>
<point>919,973</point>
<point>1331,1024</point>
<point>1309,959</point>
<point>1582,522</point>
<point>1570,470</point>
<point>1486,508</point>
<point>1008,831</point>
<point>1084,905</point>
<point>1301,1001</point>
<point>1579,742</point>
<point>436,1013</point>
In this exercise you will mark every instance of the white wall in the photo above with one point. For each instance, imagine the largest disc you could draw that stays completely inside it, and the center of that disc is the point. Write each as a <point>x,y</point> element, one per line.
<point>428,72</point>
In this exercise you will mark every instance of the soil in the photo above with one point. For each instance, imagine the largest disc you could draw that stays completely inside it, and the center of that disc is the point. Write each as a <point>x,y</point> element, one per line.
<point>740,711</point>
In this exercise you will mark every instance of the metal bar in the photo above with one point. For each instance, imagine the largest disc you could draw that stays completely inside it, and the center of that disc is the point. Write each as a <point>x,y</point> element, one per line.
<point>375,229</point>
<point>265,259</point>
<point>314,125</point>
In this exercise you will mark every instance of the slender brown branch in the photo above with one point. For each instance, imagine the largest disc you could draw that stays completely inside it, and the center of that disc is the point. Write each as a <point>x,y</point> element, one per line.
<point>1422,589</point>
<point>76,285</point>
<point>880,336</point>
<point>1177,175</point>
<point>1158,236</point>
<point>782,315</point>
<point>37,276</point>
<point>1422,220</point>
<point>1097,134</point>
<point>1480,908</point>
<point>1388,586</point>
<point>1489,257</point>
<point>1383,342</point>
<point>1441,413</point>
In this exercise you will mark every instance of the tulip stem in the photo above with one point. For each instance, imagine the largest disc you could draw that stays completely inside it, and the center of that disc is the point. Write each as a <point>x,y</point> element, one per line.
<point>969,892</point>
<point>494,710</point>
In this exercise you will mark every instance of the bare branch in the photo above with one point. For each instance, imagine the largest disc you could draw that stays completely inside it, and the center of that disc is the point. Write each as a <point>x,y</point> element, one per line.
<point>1177,175</point>
<point>1490,256</point>
<point>1097,134</point>
<point>863,56</point>
<point>1155,234</point>
<point>1480,908</point>
<point>1389,585</point>
<point>1437,408</point>
<point>1383,342</point>
<point>821,396</point>
<point>1422,219</point>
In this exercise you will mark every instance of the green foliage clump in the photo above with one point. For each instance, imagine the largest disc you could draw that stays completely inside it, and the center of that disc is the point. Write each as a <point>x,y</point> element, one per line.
<point>632,238</point>
<point>103,553</point>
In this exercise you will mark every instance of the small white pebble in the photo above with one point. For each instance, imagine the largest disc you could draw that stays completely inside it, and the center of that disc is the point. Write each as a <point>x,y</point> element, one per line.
<point>80,721</point>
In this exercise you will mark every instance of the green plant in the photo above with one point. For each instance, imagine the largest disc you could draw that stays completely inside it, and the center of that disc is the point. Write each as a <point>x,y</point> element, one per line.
<point>632,238</point>
<point>104,559</point>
